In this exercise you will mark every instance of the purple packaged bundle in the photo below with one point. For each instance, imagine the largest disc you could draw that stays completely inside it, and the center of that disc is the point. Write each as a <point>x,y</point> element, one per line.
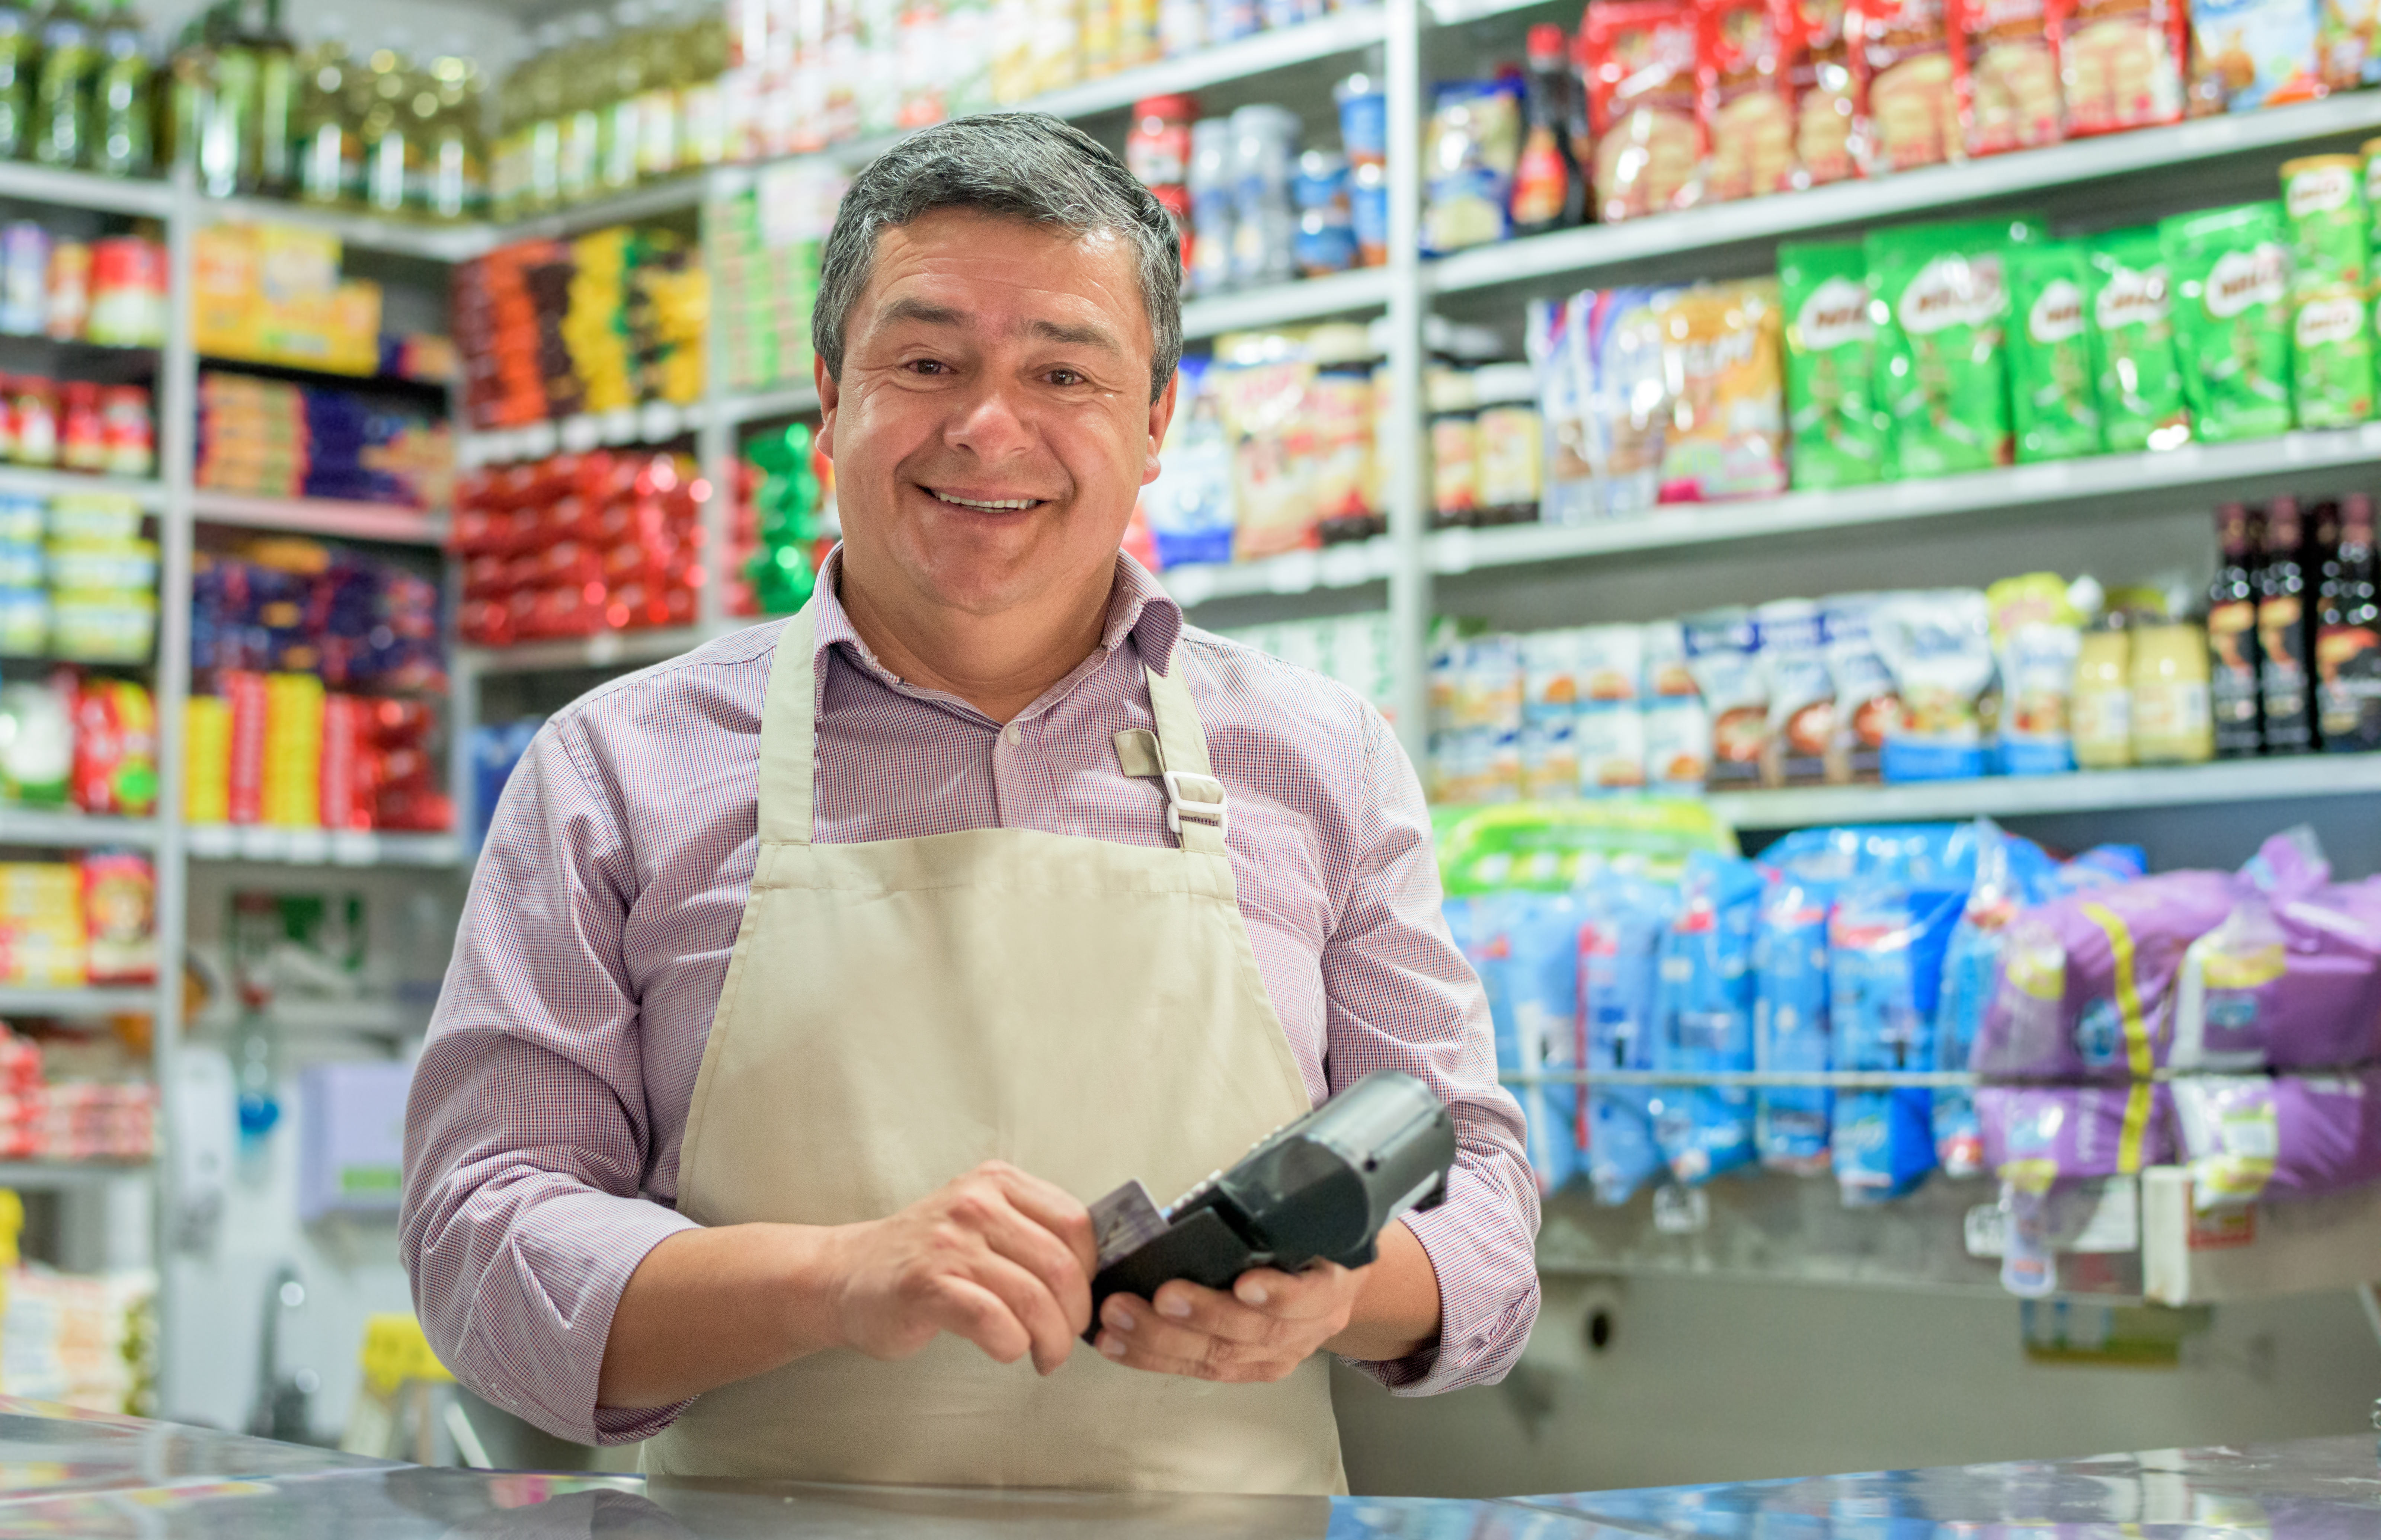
<point>2083,989</point>
<point>2035,1135</point>
<point>2291,979</point>
<point>2253,1137</point>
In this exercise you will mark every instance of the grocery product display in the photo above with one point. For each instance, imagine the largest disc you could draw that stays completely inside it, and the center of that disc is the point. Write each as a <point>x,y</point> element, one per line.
<point>110,292</point>
<point>1253,208</point>
<point>276,294</point>
<point>783,523</point>
<point>275,438</point>
<point>77,579</point>
<point>763,247</point>
<point>71,922</point>
<point>578,543</point>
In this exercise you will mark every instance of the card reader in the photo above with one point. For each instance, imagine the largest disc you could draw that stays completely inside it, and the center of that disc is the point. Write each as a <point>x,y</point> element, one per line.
<point>1319,1189</point>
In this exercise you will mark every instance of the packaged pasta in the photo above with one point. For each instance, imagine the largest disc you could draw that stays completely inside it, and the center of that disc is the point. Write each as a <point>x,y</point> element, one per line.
<point>1902,59</point>
<point>2008,76</point>
<point>2119,62</point>
<point>1720,352</point>
<point>2251,54</point>
<point>1824,101</point>
<point>2230,272</point>
<point>1744,75</point>
<point>1640,60</point>
<point>2055,411</point>
<point>1835,436</point>
<point>2137,375</point>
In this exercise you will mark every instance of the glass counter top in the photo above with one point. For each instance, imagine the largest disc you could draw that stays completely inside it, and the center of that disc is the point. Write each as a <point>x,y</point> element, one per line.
<point>84,1474</point>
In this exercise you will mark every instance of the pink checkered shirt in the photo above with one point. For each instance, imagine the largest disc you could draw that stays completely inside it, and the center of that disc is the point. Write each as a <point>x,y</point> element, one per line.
<point>549,1104</point>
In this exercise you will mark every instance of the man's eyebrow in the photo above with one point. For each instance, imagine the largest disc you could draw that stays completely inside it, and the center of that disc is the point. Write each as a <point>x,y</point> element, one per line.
<point>1085,336</point>
<point>919,310</point>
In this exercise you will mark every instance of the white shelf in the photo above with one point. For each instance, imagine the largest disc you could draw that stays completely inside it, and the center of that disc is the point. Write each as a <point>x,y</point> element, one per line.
<point>760,406</point>
<point>1359,289</point>
<point>292,846</point>
<point>2208,470</point>
<point>73,831</point>
<point>2328,1242</point>
<point>45,1175</point>
<point>1346,566</point>
<point>16,1001</point>
<point>1941,187</point>
<point>84,190</point>
<point>323,516</point>
<point>27,481</point>
<point>1281,48</point>
<point>603,650</point>
<point>1758,1079</point>
<point>368,1017</point>
<point>447,243</point>
<point>2238,780</point>
<point>651,423</point>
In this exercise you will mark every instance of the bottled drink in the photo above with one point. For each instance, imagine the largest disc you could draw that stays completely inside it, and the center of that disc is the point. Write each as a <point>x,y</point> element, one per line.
<point>2236,683</point>
<point>542,100</point>
<point>189,97</point>
<point>226,132</point>
<point>2347,637</point>
<point>18,50</point>
<point>1548,192</point>
<point>583,119</point>
<point>2284,621</point>
<point>1210,206</point>
<point>121,139</point>
<point>62,87</point>
<point>390,149</point>
<point>274,172</point>
<point>621,91</point>
<point>1265,223</point>
<point>330,155</point>
<point>457,177</point>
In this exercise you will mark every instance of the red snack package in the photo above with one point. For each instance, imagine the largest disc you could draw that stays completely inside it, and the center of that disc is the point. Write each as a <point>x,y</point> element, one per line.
<point>1744,69</point>
<point>119,903</point>
<point>245,691</point>
<point>344,807</point>
<point>1825,100</point>
<point>2121,61</point>
<point>1638,60</point>
<point>114,748</point>
<point>1902,60</point>
<point>2008,76</point>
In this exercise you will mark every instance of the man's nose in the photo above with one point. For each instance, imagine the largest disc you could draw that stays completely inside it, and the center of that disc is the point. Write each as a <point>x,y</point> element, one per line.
<point>993,421</point>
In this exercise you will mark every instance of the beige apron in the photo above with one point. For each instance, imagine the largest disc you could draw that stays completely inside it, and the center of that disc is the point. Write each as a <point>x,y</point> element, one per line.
<point>900,1010</point>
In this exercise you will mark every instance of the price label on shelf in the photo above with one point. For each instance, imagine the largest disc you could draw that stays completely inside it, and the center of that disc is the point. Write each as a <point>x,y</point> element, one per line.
<point>259,842</point>
<point>535,442</point>
<point>355,848</point>
<point>620,425</point>
<point>308,847</point>
<point>659,422</point>
<point>582,433</point>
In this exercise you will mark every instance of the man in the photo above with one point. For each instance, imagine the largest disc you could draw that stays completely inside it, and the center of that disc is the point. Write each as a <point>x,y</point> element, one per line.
<point>810,982</point>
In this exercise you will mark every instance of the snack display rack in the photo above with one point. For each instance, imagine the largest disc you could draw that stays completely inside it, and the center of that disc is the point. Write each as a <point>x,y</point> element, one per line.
<point>1402,570</point>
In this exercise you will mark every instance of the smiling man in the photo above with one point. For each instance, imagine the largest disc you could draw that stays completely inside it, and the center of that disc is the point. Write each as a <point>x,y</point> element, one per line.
<point>810,982</point>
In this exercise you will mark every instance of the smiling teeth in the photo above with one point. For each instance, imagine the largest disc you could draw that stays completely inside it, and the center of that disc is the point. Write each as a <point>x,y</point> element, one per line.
<point>997,504</point>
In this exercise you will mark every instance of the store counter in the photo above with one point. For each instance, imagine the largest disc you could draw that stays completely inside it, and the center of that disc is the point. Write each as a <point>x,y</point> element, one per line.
<point>69,1472</point>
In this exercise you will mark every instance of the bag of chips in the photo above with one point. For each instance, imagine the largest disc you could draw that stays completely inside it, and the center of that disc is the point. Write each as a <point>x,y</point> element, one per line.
<point>1640,60</point>
<point>1902,60</point>
<point>1720,347</point>
<point>2251,54</point>
<point>1941,368</point>
<point>2229,270</point>
<point>1836,435</point>
<point>2056,409</point>
<point>2119,62</point>
<point>1825,100</point>
<point>2139,380</point>
<point>2008,76</point>
<point>1744,73</point>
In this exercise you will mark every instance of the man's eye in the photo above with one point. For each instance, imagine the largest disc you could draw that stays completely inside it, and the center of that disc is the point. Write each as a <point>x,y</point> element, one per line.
<point>1065,377</point>
<point>927,366</point>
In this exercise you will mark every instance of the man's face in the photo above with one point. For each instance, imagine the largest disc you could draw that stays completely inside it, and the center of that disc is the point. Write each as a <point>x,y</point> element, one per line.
<point>993,424</point>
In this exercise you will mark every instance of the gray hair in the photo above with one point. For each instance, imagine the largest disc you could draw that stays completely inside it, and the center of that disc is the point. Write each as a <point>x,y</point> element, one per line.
<point>1026,165</point>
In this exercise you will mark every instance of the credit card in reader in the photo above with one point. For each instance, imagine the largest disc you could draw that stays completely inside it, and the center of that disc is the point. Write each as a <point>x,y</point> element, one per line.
<point>1319,1189</point>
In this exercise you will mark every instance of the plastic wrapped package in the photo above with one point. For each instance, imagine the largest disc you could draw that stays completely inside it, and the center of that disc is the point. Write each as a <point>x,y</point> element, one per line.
<point>2252,53</point>
<point>1473,145</point>
<point>2055,410</point>
<point>1558,346</point>
<point>2258,1138</point>
<point>1725,377</point>
<point>2137,378</point>
<point>1542,983</point>
<point>1631,410</point>
<point>1723,649</point>
<point>1191,504</point>
<point>1706,995</point>
<point>2230,273</point>
<point>2036,634</point>
<point>2045,1142</point>
<point>2083,991</point>
<point>1639,58</point>
<point>1746,72</point>
<point>1802,743</point>
<point>2290,978</point>
<point>1867,709</point>
<point>1837,436</point>
<point>1941,366</point>
<point>1885,969</point>
<point>1938,647</point>
<point>2008,76</point>
<point>2119,62</point>
<point>1909,104</point>
<point>1826,99</point>
<point>1790,957</point>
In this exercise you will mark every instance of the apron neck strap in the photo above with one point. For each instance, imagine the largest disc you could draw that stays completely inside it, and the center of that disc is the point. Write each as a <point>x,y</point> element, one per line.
<point>789,732</point>
<point>1195,798</point>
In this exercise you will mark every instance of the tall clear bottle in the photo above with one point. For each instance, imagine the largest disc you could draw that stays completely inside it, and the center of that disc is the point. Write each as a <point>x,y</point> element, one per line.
<point>19,55</point>
<point>227,131</point>
<point>274,169</point>
<point>62,87</point>
<point>542,96</point>
<point>189,97</point>
<point>454,167</point>
<point>619,135</point>
<point>585,80</point>
<point>390,148</point>
<point>121,126</point>
<point>330,155</point>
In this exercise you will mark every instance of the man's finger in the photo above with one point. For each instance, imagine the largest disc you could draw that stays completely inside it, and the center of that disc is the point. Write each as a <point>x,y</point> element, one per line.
<point>1152,1335</point>
<point>965,1308</point>
<point>1055,1209</point>
<point>1307,1296</point>
<point>1214,1314</point>
<point>1022,1240</point>
<point>1032,1304</point>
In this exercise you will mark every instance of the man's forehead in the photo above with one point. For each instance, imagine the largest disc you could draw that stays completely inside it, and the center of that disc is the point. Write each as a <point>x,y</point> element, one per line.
<point>935,269</point>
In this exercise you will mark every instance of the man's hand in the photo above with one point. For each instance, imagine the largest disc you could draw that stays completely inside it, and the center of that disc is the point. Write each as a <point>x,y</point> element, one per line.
<point>999,1258</point>
<point>1268,1325</point>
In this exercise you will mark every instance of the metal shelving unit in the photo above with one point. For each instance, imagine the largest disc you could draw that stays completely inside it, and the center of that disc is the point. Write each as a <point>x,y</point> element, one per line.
<point>2225,781</point>
<point>323,516</point>
<point>75,831</point>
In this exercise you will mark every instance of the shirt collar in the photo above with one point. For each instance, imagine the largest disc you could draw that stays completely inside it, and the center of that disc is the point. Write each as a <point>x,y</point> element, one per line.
<point>1138,608</point>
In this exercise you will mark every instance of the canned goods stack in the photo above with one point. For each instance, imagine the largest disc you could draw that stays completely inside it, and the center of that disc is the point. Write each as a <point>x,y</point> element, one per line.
<point>765,249</point>
<point>1259,211</point>
<point>77,581</point>
<point>111,292</point>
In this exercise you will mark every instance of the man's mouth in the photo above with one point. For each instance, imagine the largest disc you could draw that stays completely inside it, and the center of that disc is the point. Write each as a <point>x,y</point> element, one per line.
<point>989,505</point>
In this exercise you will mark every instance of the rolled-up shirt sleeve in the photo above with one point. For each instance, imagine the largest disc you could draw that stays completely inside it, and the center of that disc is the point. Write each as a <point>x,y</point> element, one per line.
<point>1399,995</point>
<point>527,1130</point>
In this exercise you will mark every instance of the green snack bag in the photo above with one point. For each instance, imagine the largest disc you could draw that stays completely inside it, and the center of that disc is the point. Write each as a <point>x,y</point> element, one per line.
<point>2230,269</point>
<point>2053,405</point>
<point>2133,365</point>
<point>1941,374</point>
<point>2330,244</point>
<point>1837,435</point>
<point>2331,360</point>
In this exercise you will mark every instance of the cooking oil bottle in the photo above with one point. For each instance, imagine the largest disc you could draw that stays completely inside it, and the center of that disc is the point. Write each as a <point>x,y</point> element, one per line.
<point>622,85</point>
<point>584,83</point>
<point>391,152</point>
<point>276,165</point>
<point>121,137</point>
<point>330,154</point>
<point>454,170</point>
<point>62,86</point>
<point>19,54</point>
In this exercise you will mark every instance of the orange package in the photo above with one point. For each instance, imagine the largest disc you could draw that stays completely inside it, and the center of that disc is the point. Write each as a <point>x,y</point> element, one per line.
<point>1745,72</point>
<point>1826,103</point>
<point>1639,57</point>
<point>2007,74</point>
<point>2119,62</point>
<point>1902,60</point>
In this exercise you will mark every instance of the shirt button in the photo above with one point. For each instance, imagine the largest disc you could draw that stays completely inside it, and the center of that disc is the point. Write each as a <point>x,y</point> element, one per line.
<point>1015,733</point>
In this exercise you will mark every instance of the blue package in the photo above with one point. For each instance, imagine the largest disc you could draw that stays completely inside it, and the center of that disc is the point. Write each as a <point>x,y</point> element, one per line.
<point>496,751</point>
<point>1541,979</point>
<point>1884,970</point>
<point>1619,933</point>
<point>1621,1155</point>
<point>1706,994</point>
<point>1789,1022</point>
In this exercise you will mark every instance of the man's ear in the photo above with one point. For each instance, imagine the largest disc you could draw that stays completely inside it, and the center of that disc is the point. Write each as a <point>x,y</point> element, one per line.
<point>1161,413</point>
<point>828,395</point>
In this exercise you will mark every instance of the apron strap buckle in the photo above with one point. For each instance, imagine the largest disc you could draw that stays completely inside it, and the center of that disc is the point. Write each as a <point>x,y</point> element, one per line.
<point>1196,797</point>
